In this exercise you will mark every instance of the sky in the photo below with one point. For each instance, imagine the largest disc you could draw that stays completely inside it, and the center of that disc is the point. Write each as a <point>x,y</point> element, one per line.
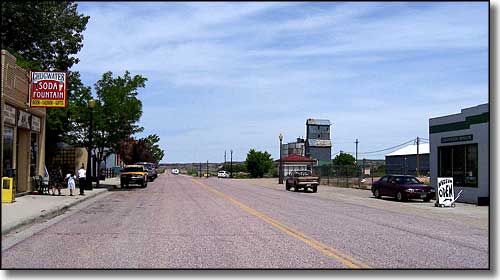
<point>233,76</point>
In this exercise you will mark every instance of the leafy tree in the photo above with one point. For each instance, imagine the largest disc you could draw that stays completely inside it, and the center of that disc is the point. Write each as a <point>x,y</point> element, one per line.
<point>115,116</point>
<point>144,149</point>
<point>258,163</point>
<point>46,35</point>
<point>344,159</point>
<point>75,117</point>
<point>237,167</point>
<point>117,112</point>
<point>126,150</point>
<point>46,32</point>
<point>154,149</point>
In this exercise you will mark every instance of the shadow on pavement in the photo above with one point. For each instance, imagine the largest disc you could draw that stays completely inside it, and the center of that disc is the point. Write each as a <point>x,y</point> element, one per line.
<point>393,199</point>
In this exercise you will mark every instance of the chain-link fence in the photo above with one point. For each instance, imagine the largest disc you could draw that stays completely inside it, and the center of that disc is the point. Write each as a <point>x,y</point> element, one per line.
<point>349,176</point>
<point>361,176</point>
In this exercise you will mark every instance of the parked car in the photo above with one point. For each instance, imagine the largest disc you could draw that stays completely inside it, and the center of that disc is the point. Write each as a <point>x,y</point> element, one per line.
<point>151,169</point>
<point>223,174</point>
<point>134,174</point>
<point>302,180</point>
<point>175,171</point>
<point>402,187</point>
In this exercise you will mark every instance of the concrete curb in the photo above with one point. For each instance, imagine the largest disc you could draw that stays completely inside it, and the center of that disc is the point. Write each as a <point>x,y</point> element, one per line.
<point>49,213</point>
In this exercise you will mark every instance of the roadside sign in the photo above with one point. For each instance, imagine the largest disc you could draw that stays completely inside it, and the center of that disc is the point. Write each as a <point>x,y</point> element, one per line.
<point>446,197</point>
<point>48,89</point>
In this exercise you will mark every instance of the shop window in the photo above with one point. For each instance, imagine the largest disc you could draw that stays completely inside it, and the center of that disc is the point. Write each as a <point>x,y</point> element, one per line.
<point>471,166</point>
<point>459,162</point>
<point>8,151</point>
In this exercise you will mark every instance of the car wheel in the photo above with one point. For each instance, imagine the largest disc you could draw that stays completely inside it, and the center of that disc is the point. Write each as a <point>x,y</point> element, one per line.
<point>399,196</point>
<point>287,186</point>
<point>427,199</point>
<point>376,193</point>
<point>315,189</point>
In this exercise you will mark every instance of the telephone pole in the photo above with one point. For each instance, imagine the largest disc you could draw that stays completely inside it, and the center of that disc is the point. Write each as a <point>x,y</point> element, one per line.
<point>356,150</point>
<point>207,168</point>
<point>224,159</point>
<point>231,172</point>
<point>418,166</point>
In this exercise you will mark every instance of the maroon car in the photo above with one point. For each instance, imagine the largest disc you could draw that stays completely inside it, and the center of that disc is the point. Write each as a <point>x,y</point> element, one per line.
<point>402,187</point>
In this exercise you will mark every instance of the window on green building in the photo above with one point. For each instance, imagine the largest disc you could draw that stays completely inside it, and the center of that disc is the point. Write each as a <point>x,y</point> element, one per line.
<point>459,162</point>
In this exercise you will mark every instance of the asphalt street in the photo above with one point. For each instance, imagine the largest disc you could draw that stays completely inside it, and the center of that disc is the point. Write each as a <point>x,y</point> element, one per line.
<point>185,222</point>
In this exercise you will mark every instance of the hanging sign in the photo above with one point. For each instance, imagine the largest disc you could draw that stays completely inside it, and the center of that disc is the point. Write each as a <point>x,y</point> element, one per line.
<point>35,123</point>
<point>48,89</point>
<point>445,191</point>
<point>23,120</point>
<point>9,114</point>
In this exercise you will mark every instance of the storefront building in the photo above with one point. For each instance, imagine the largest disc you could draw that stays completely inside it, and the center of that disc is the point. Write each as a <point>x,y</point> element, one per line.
<point>459,148</point>
<point>295,163</point>
<point>22,127</point>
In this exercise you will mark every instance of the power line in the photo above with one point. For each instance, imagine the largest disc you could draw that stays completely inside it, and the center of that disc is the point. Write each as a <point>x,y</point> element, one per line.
<point>390,148</point>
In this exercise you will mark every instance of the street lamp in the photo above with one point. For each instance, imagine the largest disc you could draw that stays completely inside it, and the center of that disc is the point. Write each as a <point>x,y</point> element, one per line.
<point>280,180</point>
<point>91,106</point>
<point>231,172</point>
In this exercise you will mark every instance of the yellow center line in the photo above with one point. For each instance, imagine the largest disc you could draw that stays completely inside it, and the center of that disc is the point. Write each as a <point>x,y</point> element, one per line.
<point>321,247</point>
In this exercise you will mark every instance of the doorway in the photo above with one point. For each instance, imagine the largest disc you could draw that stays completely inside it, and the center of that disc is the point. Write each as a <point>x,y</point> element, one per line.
<point>22,160</point>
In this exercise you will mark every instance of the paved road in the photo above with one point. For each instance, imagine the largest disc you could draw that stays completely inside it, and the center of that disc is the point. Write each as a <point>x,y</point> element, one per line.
<point>181,222</point>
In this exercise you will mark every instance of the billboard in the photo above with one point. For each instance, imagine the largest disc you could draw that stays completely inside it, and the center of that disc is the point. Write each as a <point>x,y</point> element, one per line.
<point>48,89</point>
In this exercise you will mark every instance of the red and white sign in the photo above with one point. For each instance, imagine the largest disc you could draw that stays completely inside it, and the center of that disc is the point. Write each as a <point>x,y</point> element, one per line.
<point>48,89</point>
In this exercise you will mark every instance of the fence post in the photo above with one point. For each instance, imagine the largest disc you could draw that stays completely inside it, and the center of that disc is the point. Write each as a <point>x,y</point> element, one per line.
<point>328,174</point>
<point>371,173</point>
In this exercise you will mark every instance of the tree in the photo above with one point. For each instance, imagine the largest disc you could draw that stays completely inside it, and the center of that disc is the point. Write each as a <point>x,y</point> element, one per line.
<point>344,159</point>
<point>117,112</point>
<point>237,167</point>
<point>75,117</point>
<point>154,149</point>
<point>46,36</point>
<point>258,163</point>
<point>46,32</point>
<point>126,150</point>
<point>115,116</point>
<point>141,150</point>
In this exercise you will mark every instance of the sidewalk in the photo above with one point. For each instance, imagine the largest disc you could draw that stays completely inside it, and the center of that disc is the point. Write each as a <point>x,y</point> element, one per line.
<point>29,208</point>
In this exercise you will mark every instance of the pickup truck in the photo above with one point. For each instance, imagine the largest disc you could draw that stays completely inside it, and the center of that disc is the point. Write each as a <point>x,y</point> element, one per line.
<point>302,180</point>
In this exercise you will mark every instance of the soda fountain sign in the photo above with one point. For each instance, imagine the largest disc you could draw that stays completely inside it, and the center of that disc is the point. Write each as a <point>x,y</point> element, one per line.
<point>48,89</point>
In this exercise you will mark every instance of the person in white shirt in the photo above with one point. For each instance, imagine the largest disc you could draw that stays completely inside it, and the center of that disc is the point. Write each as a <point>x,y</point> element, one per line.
<point>82,173</point>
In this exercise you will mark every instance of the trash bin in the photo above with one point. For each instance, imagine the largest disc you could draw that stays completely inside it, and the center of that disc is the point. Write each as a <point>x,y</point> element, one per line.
<point>8,190</point>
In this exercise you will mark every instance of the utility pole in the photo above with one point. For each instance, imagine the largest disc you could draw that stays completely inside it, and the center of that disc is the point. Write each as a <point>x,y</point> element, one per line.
<point>199,168</point>
<point>280,175</point>
<point>418,169</point>
<point>356,150</point>
<point>359,174</point>
<point>231,173</point>
<point>224,159</point>
<point>207,168</point>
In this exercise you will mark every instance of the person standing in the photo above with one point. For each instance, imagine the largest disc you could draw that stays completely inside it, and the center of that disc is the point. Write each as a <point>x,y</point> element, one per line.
<point>57,180</point>
<point>71,182</point>
<point>82,173</point>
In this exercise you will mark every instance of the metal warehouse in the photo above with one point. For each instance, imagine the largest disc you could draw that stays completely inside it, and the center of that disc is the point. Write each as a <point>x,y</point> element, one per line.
<point>404,161</point>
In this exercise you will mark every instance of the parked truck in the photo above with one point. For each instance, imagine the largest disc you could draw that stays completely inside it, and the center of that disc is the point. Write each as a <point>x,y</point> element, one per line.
<point>302,180</point>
